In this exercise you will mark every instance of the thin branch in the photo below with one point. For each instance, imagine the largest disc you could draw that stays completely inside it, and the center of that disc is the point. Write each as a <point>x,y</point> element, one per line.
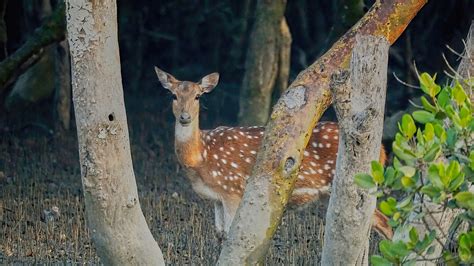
<point>404,83</point>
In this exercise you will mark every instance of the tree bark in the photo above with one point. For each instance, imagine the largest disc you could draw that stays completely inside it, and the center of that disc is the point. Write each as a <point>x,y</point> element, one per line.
<point>118,227</point>
<point>51,31</point>
<point>289,129</point>
<point>359,100</point>
<point>284,57</point>
<point>63,86</point>
<point>262,63</point>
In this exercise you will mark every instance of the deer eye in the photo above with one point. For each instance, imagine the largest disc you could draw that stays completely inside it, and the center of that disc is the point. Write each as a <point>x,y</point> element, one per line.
<point>175,97</point>
<point>197,97</point>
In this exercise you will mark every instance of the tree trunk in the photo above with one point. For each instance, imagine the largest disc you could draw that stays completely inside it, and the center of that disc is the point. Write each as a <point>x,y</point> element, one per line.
<point>63,86</point>
<point>117,225</point>
<point>289,129</point>
<point>284,56</point>
<point>359,102</point>
<point>262,63</point>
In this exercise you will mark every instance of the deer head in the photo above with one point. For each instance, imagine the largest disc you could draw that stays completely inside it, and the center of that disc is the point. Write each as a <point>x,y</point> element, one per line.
<point>186,94</point>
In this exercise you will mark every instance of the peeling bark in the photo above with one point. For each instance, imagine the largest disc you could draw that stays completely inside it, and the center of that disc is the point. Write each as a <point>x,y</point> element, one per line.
<point>289,130</point>
<point>262,63</point>
<point>359,100</point>
<point>117,225</point>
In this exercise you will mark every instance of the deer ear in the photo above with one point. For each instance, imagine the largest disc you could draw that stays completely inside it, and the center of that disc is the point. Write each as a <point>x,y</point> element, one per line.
<point>166,79</point>
<point>208,82</point>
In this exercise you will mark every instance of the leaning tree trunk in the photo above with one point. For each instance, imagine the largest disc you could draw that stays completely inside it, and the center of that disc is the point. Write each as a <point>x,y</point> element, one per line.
<point>118,227</point>
<point>288,131</point>
<point>262,63</point>
<point>359,101</point>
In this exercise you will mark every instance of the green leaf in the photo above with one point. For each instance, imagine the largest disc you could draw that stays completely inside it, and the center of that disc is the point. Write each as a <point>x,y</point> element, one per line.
<point>453,169</point>
<point>459,94</point>
<point>464,254</point>
<point>423,117</point>
<point>456,182</point>
<point>465,199</point>
<point>427,105</point>
<point>434,177</point>
<point>413,235</point>
<point>377,172</point>
<point>428,85</point>
<point>408,126</point>
<point>433,153</point>
<point>364,181</point>
<point>429,132</point>
<point>402,153</point>
<point>431,191</point>
<point>408,182</point>
<point>443,98</point>
<point>405,202</point>
<point>389,176</point>
<point>440,133</point>
<point>407,170</point>
<point>452,138</point>
<point>386,208</point>
<point>377,260</point>
<point>471,160</point>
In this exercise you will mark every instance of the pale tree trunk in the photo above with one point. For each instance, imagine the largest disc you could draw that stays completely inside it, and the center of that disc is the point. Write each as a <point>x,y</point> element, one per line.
<point>359,101</point>
<point>288,131</point>
<point>117,225</point>
<point>261,63</point>
<point>440,218</point>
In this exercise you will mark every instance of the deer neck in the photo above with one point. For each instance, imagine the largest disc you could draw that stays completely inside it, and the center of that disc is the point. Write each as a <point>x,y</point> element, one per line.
<point>188,145</point>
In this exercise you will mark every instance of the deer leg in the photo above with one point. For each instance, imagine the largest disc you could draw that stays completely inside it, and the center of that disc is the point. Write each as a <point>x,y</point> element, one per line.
<point>219,216</point>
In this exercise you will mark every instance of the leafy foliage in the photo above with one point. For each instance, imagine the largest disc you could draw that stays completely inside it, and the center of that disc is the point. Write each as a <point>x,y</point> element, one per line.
<point>433,164</point>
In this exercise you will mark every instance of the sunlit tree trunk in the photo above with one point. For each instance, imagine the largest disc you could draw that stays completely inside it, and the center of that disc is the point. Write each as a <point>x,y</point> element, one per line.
<point>289,129</point>
<point>359,101</point>
<point>117,225</point>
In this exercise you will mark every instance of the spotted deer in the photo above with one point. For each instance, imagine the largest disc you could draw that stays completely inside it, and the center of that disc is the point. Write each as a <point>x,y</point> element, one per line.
<point>219,161</point>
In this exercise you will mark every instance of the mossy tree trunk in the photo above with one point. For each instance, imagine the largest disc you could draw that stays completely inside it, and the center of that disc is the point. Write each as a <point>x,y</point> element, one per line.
<point>359,101</point>
<point>262,63</point>
<point>289,129</point>
<point>117,225</point>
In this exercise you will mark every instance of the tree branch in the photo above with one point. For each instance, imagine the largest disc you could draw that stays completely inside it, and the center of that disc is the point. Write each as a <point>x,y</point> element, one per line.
<point>52,30</point>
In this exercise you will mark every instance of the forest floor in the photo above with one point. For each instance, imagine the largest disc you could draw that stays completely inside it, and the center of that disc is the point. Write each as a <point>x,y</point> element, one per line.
<point>42,216</point>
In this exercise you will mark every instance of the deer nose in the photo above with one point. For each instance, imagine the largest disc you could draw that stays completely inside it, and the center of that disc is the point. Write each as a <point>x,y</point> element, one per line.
<point>185,118</point>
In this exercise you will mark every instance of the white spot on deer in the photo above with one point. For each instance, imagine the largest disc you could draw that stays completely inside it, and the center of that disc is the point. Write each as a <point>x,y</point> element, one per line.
<point>325,137</point>
<point>215,156</point>
<point>300,177</point>
<point>246,145</point>
<point>314,144</point>
<point>214,173</point>
<point>327,167</point>
<point>221,148</point>
<point>204,154</point>
<point>248,160</point>
<point>328,145</point>
<point>308,191</point>
<point>224,161</point>
<point>305,153</point>
<point>232,148</point>
<point>312,163</point>
<point>234,165</point>
<point>224,187</point>
<point>320,145</point>
<point>336,137</point>
<point>320,171</point>
<point>316,157</point>
<point>253,152</point>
